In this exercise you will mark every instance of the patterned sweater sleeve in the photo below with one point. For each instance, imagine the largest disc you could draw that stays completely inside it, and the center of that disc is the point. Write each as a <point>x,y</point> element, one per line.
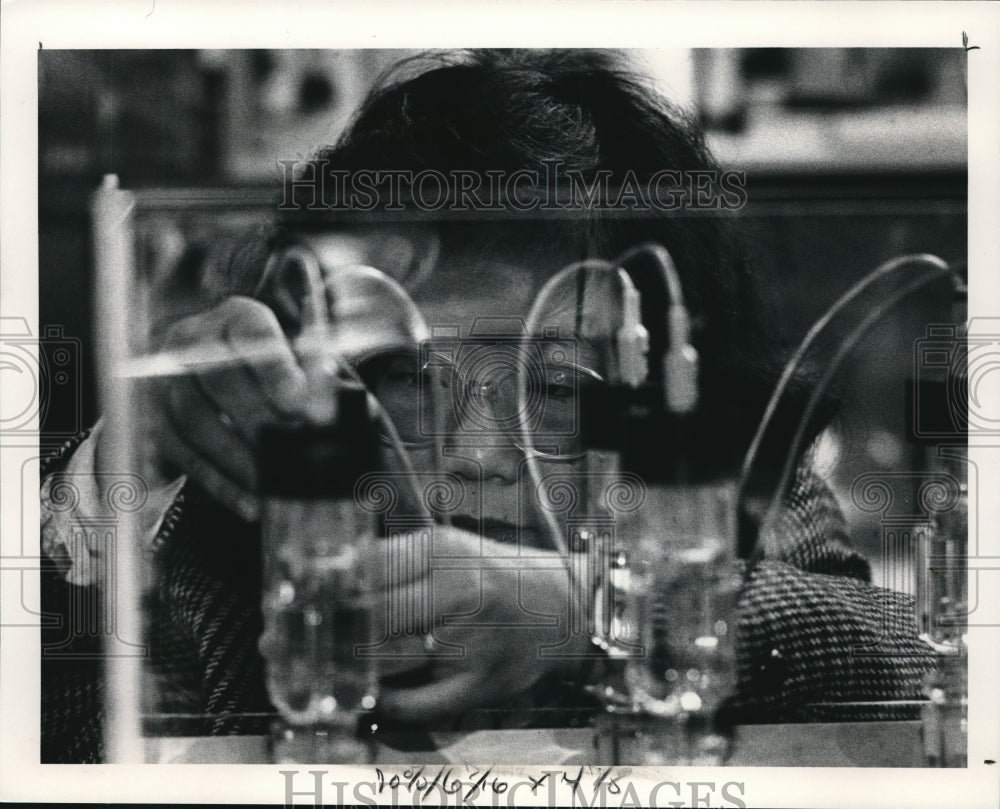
<point>72,675</point>
<point>816,641</point>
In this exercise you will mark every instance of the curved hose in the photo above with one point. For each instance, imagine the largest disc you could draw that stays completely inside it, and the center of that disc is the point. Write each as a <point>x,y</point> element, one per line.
<point>748,547</point>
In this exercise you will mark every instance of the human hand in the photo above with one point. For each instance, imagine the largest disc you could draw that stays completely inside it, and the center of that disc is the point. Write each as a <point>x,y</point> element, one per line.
<point>491,622</point>
<point>242,374</point>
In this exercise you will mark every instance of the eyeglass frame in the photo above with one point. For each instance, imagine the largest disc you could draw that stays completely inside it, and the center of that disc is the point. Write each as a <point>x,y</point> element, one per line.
<point>441,361</point>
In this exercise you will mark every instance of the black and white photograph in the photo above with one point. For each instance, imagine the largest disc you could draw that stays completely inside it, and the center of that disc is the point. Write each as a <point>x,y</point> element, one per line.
<point>484,420</point>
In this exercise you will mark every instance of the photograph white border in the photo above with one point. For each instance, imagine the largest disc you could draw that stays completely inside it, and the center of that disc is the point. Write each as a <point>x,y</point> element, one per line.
<point>27,26</point>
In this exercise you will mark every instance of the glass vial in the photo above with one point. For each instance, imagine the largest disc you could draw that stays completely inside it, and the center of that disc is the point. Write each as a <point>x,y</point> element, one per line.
<point>316,543</point>
<point>677,662</point>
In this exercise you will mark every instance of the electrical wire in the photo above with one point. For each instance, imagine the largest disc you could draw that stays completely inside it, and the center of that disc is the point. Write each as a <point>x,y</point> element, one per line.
<point>845,348</point>
<point>938,269</point>
<point>681,369</point>
<point>538,308</point>
<point>391,433</point>
<point>319,359</point>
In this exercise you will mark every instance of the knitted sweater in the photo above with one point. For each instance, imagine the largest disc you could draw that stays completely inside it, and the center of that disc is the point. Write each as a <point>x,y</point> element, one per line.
<point>816,641</point>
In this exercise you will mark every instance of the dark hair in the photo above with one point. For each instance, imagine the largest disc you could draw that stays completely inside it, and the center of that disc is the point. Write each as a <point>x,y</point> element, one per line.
<point>507,110</point>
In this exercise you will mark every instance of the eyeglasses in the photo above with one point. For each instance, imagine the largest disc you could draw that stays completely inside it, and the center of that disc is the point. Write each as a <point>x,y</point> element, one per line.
<point>474,389</point>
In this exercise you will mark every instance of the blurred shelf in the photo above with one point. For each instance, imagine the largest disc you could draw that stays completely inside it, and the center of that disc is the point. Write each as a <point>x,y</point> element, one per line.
<point>889,139</point>
<point>846,744</point>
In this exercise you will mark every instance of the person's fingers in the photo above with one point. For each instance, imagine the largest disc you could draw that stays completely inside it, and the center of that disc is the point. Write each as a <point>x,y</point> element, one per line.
<point>270,360</point>
<point>407,631</point>
<point>396,562</point>
<point>458,691</point>
<point>249,352</point>
<point>393,655</point>
<point>236,393</point>
<point>197,329</point>
<point>401,609</point>
<point>194,419</point>
<point>198,468</point>
<point>243,374</point>
<point>410,556</point>
<point>196,440</point>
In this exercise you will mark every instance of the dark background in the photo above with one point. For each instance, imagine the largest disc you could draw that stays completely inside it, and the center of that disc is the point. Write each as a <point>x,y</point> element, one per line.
<point>852,157</point>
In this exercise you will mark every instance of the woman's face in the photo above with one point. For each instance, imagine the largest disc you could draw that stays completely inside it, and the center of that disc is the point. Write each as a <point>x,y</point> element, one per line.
<point>458,396</point>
